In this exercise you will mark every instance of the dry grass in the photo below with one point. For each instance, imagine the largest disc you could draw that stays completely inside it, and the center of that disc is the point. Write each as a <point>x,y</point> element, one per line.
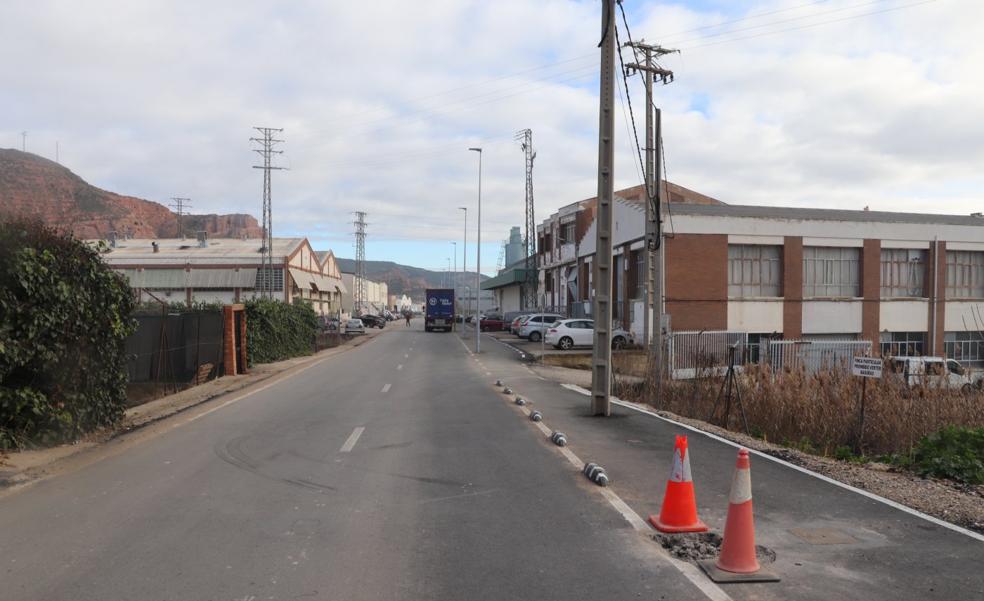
<point>822,412</point>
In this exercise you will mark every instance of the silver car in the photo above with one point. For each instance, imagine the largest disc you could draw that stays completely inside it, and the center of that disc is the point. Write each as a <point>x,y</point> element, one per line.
<point>535,325</point>
<point>355,326</point>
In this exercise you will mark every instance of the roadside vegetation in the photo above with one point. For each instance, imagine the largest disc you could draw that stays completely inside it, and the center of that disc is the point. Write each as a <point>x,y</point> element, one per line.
<point>276,330</point>
<point>64,318</point>
<point>933,431</point>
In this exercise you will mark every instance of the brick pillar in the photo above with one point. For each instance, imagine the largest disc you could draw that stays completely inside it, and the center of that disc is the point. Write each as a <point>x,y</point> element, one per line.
<point>937,271</point>
<point>792,287</point>
<point>871,291</point>
<point>242,337</point>
<point>228,341</point>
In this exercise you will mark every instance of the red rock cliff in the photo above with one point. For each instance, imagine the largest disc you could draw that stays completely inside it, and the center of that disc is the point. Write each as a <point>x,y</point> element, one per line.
<point>34,186</point>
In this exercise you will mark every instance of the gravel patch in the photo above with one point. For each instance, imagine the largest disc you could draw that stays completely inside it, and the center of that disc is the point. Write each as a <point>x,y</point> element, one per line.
<point>702,545</point>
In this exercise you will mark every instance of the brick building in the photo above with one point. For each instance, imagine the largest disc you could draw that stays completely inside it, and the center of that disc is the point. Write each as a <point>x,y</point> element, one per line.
<point>910,283</point>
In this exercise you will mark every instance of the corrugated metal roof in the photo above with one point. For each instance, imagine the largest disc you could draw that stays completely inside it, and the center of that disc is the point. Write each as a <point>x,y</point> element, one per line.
<point>219,250</point>
<point>506,278</point>
<point>196,278</point>
<point>797,214</point>
<point>304,279</point>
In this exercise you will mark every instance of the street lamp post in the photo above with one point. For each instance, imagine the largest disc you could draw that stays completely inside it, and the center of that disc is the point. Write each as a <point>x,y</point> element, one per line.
<point>464,254</point>
<point>478,259</point>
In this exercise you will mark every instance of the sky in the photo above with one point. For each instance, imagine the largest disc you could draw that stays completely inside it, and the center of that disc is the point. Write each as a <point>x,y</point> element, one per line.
<point>829,104</point>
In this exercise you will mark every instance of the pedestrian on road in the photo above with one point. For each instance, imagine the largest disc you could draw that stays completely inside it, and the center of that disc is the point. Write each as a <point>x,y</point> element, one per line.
<point>407,315</point>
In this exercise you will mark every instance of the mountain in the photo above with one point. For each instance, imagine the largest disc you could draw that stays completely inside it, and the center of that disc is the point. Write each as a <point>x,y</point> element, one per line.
<point>405,279</point>
<point>33,186</point>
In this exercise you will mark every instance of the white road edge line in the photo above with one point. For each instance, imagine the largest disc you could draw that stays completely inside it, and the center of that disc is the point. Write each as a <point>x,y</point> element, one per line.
<point>827,479</point>
<point>352,439</point>
<point>386,388</point>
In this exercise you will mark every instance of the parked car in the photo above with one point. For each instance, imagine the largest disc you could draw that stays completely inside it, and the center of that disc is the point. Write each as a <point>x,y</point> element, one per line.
<point>535,325</point>
<point>355,326</point>
<point>373,321</point>
<point>569,333</point>
<point>492,323</point>
<point>512,319</point>
<point>923,372</point>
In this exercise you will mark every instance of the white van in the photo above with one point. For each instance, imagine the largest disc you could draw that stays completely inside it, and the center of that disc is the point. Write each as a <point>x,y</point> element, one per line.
<point>924,372</point>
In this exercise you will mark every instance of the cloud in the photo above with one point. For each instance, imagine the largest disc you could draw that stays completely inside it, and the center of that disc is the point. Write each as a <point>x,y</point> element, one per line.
<point>379,102</point>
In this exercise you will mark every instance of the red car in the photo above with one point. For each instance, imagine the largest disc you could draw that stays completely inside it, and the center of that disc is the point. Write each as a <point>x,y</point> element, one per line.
<point>492,323</point>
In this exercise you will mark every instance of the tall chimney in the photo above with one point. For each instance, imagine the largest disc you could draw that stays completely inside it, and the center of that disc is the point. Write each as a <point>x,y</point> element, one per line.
<point>156,247</point>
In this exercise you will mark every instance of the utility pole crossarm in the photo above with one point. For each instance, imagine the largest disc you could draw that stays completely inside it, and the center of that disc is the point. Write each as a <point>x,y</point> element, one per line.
<point>665,74</point>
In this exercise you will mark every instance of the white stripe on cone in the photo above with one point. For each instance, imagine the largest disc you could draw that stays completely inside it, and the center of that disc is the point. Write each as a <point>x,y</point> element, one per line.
<point>741,487</point>
<point>681,467</point>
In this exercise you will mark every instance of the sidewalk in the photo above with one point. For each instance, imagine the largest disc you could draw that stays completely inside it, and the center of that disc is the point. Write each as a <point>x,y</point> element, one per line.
<point>830,542</point>
<point>21,467</point>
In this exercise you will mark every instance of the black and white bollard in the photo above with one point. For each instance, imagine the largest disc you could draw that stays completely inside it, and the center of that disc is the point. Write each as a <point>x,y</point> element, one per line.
<point>536,416</point>
<point>507,390</point>
<point>596,474</point>
<point>520,401</point>
<point>498,383</point>
<point>559,439</point>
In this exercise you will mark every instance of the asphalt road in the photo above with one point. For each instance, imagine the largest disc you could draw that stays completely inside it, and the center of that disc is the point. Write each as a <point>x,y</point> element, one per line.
<point>391,471</point>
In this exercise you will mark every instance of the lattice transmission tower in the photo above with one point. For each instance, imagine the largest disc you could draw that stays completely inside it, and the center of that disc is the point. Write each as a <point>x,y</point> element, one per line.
<point>359,294</point>
<point>525,137</point>
<point>265,277</point>
<point>180,206</point>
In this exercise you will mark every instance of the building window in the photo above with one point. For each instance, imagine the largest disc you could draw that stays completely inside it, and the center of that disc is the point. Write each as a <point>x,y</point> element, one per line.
<point>964,274</point>
<point>903,272</point>
<point>754,270</point>
<point>965,347</point>
<point>903,344</point>
<point>831,271</point>
<point>567,233</point>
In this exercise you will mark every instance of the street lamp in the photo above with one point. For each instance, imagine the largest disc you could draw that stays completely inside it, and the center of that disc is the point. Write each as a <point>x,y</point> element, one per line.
<point>478,260</point>
<point>454,274</point>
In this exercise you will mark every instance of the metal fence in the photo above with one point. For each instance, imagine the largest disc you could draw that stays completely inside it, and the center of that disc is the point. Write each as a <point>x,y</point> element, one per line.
<point>690,354</point>
<point>170,348</point>
<point>814,356</point>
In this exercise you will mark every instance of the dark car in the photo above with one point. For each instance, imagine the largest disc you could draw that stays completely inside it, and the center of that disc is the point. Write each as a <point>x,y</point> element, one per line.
<point>373,321</point>
<point>492,323</point>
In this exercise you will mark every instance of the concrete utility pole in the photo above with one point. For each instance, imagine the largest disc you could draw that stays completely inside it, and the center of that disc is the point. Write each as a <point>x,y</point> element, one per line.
<point>654,207</point>
<point>180,206</point>
<point>266,150</point>
<point>23,141</point>
<point>601,358</point>
<point>478,260</point>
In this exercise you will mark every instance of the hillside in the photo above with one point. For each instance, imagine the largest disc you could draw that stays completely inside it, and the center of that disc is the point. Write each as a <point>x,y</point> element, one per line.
<point>34,186</point>
<point>405,279</point>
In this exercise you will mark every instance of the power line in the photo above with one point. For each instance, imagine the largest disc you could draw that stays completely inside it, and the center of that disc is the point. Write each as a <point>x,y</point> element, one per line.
<point>359,293</point>
<point>267,143</point>
<point>808,26</point>
<point>180,206</point>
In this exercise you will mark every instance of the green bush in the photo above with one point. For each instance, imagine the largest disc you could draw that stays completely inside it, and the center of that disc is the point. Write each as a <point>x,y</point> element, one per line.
<point>64,318</point>
<point>953,452</point>
<point>276,330</point>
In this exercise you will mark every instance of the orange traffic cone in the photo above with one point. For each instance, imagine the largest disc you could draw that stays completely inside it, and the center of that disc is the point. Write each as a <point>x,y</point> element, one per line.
<point>679,511</point>
<point>737,561</point>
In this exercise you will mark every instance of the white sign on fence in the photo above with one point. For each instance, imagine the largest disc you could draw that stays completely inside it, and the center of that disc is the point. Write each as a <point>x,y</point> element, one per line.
<point>866,367</point>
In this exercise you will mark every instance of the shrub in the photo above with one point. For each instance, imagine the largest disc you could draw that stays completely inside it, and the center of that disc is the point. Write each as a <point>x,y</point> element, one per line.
<point>276,330</point>
<point>953,452</point>
<point>64,318</point>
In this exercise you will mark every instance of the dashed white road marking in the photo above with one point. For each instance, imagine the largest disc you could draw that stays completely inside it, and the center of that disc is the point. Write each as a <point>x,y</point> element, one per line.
<point>386,388</point>
<point>352,439</point>
<point>406,356</point>
<point>399,367</point>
